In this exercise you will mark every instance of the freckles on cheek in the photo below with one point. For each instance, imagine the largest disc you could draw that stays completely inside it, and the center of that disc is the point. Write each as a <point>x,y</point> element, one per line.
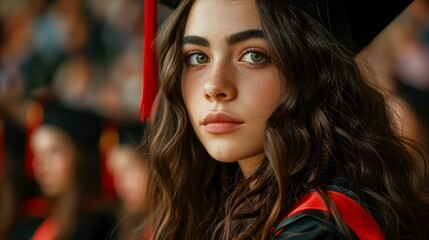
<point>264,102</point>
<point>191,90</point>
<point>188,98</point>
<point>185,83</point>
<point>186,95</point>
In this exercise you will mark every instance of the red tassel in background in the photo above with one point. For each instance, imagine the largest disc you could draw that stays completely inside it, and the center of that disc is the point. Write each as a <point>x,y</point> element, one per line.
<point>34,117</point>
<point>150,75</point>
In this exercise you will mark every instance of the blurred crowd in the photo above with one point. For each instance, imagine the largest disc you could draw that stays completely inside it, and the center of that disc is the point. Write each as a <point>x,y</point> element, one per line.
<point>70,88</point>
<point>72,69</point>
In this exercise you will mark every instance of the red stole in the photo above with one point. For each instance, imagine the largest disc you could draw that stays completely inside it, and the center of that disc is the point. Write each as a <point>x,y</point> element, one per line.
<point>353,214</point>
<point>48,230</point>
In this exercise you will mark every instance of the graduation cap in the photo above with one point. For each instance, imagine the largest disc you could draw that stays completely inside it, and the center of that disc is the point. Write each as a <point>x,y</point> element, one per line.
<point>82,126</point>
<point>354,23</point>
<point>131,133</point>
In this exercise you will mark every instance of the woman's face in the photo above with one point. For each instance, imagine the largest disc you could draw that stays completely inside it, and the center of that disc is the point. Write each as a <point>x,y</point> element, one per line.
<point>129,176</point>
<point>229,85</point>
<point>53,163</point>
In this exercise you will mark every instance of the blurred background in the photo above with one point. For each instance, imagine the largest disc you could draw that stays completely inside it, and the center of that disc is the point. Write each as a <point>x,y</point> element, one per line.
<point>69,56</point>
<point>86,55</point>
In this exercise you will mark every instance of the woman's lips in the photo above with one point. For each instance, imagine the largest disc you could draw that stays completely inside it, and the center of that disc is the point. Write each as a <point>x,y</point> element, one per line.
<point>221,127</point>
<point>220,122</point>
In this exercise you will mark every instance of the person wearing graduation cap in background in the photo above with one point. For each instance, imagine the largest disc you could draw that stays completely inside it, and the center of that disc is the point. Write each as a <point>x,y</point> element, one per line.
<point>66,168</point>
<point>129,173</point>
<point>264,127</point>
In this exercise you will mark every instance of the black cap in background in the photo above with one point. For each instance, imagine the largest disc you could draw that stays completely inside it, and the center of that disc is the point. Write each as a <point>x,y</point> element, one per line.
<point>83,126</point>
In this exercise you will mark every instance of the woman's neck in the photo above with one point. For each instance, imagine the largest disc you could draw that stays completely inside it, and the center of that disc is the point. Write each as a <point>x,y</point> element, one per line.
<point>65,203</point>
<point>249,165</point>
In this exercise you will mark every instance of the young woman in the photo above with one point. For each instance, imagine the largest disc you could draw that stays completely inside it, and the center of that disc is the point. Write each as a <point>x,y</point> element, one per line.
<point>265,128</point>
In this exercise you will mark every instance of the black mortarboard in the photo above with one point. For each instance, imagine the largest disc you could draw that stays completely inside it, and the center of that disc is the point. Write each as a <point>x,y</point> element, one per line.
<point>131,133</point>
<point>354,22</point>
<point>83,126</point>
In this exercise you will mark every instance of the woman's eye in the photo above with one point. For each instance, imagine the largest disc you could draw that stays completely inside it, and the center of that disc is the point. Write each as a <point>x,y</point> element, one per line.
<point>196,59</point>
<point>254,57</point>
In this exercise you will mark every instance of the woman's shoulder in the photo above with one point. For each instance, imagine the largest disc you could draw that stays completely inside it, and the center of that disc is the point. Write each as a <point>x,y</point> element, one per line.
<point>25,229</point>
<point>310,218</point>
<point>311,224</point>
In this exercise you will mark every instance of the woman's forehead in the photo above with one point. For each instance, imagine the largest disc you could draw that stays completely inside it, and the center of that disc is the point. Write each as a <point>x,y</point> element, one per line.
<point>49,135</point>
<point>222,17</point>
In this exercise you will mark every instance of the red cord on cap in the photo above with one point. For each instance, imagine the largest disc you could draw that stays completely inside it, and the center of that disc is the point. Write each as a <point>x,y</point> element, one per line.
<point>150,76</point>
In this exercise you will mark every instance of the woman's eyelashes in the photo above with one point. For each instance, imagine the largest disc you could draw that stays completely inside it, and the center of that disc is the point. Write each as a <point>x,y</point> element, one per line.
<point>253,56</point>
<point>195,58</point>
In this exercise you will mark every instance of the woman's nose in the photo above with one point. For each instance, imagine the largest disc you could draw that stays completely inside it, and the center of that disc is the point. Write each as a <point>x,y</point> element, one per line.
<point>220,85</point>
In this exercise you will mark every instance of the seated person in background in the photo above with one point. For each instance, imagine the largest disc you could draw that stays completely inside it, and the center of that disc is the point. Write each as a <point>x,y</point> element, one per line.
<point>66,167</point>
<point>129,173</point>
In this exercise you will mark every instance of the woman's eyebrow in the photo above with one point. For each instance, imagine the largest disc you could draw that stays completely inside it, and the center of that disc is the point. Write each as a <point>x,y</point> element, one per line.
<point>244,35</point>
<point>230,40</point>
<point>194,40</point>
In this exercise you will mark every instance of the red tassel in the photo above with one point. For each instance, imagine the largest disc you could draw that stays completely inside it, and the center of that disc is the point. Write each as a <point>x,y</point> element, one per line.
<point>150,76</point>
<point>108,140</point>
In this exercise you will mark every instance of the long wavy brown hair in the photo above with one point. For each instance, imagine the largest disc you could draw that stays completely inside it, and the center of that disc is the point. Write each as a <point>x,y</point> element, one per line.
<point>330,123</point>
